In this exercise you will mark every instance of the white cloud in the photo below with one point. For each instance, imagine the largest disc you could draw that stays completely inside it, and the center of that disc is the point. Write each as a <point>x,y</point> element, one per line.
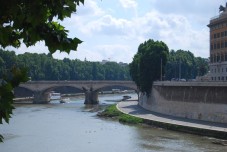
<point>38,48</point>
<point>116,52</point>
<point>176,31</point>
<point>128,3</point>
<point>89,9</point>
<point>107,25</point>
<point>112,52</point>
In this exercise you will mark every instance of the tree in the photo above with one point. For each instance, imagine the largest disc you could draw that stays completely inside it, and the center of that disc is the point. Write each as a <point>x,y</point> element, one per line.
<point>24,21</point>
<point>183,64</point>
<point>146,65</point>
<point>201,65</point>
<point>134,69</point>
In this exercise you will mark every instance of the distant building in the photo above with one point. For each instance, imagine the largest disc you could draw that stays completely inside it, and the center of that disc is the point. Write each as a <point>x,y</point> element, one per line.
<point>123,64</point>
<point>104,61</point>
<point>120,63</point>
<point>218,46</point>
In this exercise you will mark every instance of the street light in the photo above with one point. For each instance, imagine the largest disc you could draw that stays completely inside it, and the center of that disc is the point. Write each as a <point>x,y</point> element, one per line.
<point>161,70</point>
<point>180,70</point>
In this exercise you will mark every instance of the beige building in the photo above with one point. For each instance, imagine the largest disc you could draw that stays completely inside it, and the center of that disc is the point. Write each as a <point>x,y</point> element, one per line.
<point>218,46</point>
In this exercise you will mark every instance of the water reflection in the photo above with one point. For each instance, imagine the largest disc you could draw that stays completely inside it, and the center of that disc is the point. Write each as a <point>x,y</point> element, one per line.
<point>157,139</point>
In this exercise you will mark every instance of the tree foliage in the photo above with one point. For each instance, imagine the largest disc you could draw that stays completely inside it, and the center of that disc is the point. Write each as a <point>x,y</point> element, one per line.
<point>183,64</point>
<point>45,67</point>
<point>25,21</point>
<point>31,21</point>
<point>146,65</point>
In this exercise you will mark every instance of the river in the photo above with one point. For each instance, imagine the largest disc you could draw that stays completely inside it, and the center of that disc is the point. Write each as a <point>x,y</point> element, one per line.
<point>74,127</point>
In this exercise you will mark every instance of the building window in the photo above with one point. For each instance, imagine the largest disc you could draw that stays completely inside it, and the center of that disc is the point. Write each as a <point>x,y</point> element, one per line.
<point>225,33</point>
<point>215,36</point>
<point>225,78</point>
<point>222,70</point>
<point>212,78</point>
<point>218,58</point>
<point>215,45</point>
<point>218,35</point>
<point>222,78</point>
<point>215,78</point>
<point>225,43</point>
<point>222,44</point>
<point>211,47</point>
<point>218,78</point>
<point>218,46</point>
<point>222,57</point>
<point>222,34</point>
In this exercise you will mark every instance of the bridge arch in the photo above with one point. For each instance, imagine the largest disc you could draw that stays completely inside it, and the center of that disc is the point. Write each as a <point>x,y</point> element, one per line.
<point>41,89</point>
<point>57,88</point>
<point>22,91</point>
<point>46,92</point>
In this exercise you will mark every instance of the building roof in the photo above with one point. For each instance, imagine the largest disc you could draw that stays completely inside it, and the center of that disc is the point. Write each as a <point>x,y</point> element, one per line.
<point>219,18</point>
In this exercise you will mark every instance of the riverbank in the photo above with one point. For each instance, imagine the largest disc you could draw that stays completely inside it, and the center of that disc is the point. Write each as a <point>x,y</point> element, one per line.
<point>210,129</point>
<point>112,112</point>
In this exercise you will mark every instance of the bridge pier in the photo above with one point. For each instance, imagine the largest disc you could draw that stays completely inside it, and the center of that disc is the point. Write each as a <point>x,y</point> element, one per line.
<point>40,97</point>
<point>91,97</point>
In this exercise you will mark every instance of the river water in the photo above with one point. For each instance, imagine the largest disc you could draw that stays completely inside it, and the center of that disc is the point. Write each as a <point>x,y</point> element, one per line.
<point>74,127</point>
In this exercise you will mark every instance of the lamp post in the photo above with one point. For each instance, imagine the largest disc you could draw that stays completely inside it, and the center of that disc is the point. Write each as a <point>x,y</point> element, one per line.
<point>161,70</point>
<point>180,70</point>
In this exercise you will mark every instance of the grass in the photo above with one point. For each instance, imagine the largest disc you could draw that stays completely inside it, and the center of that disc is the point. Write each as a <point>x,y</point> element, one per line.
<point>130,119</point>
<point>113,112</point>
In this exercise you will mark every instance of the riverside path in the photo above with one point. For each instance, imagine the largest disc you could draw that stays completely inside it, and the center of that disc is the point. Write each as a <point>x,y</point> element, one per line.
<point>218,130</point>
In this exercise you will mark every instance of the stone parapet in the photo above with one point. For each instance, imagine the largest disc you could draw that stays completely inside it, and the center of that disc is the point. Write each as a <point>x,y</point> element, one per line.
<point>193,100</point>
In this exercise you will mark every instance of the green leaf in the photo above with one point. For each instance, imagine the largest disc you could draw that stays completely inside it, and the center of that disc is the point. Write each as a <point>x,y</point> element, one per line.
<point>1,138</point>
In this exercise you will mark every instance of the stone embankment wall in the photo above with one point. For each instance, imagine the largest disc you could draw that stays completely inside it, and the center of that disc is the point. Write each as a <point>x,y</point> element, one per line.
<point>194,100</point>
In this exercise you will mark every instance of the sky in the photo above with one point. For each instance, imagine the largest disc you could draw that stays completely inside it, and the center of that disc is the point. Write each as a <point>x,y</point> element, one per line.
<point>113,29</point>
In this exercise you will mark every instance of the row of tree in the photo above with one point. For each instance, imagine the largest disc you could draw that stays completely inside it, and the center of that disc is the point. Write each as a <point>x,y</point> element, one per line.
<point>153,61</point>
<point>175,64</point>
<point>184,65</point>
<point>45,67</point>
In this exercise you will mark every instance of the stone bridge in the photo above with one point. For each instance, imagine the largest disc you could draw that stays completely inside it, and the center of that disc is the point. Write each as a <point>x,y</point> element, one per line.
<point>41,89</point>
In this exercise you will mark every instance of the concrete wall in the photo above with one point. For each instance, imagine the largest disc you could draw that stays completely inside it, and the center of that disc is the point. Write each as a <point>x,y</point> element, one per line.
<point>202,101</point>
